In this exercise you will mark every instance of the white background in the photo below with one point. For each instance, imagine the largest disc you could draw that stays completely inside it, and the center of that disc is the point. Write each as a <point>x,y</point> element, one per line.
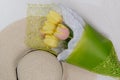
<point>103,14</point>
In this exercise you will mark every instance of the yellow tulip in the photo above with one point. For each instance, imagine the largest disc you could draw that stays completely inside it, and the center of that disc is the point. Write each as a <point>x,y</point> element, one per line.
<point>48,28</point>
<point>51,41</point>
<point>54,17</point>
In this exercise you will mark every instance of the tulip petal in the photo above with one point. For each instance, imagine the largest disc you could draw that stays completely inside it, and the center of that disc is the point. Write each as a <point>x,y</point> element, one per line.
<point>51,41</point>
<point>62,32</point>
<point>54,17</point>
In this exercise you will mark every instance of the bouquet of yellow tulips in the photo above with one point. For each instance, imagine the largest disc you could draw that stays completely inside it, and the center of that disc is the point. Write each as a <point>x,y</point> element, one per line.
<point>63,32</point>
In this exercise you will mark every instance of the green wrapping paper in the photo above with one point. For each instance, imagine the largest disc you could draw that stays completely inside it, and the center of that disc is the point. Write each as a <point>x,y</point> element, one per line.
<point>87,48</point>
<point>95,53</point>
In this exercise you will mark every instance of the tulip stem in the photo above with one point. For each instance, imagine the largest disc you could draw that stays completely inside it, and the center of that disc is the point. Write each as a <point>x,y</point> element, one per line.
<point>70,37</point>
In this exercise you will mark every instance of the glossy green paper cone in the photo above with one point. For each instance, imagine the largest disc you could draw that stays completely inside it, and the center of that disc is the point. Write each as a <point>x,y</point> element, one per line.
<point>95,53</point>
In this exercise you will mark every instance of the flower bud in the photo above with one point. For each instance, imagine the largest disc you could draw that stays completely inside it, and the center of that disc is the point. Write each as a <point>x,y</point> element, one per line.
<point>54,17</point>
<point>48,28</point>
<point>62,32</point>
<point>51,41</point>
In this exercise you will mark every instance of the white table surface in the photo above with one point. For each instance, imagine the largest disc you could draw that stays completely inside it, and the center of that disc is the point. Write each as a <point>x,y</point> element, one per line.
<point>104,14</point>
